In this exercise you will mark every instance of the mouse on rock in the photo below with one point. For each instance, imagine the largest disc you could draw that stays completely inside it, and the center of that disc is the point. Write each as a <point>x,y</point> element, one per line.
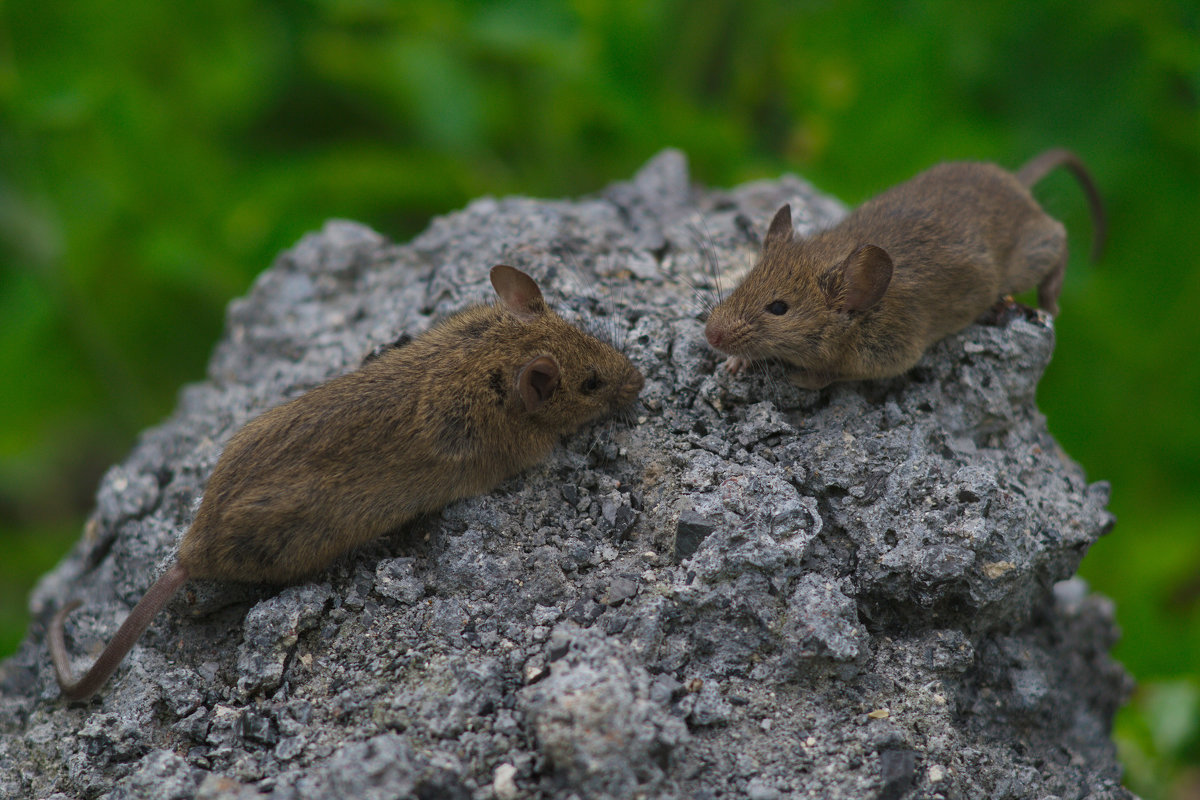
<point>476,399</point>
<point>865,298</point>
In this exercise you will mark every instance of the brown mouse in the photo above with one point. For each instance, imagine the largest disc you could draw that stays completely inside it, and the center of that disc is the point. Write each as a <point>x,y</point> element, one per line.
<point>474,400</point>
<point>865,298</point>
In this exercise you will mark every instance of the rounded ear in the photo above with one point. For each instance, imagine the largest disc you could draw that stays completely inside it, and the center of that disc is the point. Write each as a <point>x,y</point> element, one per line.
<point>537,381</point>
<point>867,273</point>
<point>781,230</point>
<point>517,291</point>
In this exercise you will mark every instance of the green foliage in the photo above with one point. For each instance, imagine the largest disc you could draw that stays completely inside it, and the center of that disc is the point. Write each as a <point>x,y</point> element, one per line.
<point>155,156</point>
<point>1158,739</point>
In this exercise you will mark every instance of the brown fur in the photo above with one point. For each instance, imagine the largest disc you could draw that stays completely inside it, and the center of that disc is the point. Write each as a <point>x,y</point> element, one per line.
<point>475,400</point>
<point>865,298</point>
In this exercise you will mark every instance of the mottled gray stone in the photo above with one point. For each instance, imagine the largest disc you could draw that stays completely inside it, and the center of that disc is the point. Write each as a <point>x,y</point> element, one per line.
<point>603,730</point>
<point>272,628</point>
<point>161,775</point>
<point>742,590</point>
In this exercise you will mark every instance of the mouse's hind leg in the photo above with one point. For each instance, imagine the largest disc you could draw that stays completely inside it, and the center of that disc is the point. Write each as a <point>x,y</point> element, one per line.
<point>1040,259</point>
<point>1051,285</point>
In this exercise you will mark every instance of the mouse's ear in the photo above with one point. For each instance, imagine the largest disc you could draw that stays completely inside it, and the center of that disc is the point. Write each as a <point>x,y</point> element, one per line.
<point>517,291</point>
<point>781,229</point>
<point>867,272</point>
<point>537,381</point>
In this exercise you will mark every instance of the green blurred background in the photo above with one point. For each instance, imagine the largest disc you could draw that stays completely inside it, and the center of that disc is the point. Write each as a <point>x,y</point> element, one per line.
<point>155,156</point>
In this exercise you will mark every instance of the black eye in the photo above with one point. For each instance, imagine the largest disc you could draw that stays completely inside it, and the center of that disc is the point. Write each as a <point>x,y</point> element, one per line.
<point>778,308</point>
<point>590,385</point>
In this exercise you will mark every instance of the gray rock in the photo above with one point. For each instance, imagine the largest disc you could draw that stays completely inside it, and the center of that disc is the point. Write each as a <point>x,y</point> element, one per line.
<point>597,720</point>
<point>745,590</point>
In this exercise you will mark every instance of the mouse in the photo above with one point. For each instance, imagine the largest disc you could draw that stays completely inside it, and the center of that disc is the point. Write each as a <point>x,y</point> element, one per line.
<point>477,398</point>
<point>864,298</point>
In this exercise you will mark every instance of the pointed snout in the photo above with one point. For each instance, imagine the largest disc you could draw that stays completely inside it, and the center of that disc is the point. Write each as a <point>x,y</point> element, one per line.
<point>716,333</point>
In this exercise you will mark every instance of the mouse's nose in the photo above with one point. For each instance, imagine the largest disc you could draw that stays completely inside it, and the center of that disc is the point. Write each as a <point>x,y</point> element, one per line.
<point>715,333</point>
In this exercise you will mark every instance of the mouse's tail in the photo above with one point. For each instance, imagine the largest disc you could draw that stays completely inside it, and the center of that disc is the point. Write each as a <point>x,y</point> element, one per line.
<point>130,631</point>
<point>1040,165</point>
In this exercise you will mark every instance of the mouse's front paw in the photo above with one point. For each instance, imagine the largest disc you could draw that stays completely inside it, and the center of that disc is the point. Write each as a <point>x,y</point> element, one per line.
<point>736,364</point>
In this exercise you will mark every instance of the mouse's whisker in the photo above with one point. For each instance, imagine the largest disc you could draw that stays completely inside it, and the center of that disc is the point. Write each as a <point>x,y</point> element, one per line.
<point>706,292</point>
<point>712,264</point>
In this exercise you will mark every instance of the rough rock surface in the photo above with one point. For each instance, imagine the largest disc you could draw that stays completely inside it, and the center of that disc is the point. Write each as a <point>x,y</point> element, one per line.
<point>748,590</point>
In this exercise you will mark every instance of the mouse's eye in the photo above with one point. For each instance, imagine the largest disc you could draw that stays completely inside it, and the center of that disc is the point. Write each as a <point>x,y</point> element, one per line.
<point>590,385</point>
<point>778,308</point>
